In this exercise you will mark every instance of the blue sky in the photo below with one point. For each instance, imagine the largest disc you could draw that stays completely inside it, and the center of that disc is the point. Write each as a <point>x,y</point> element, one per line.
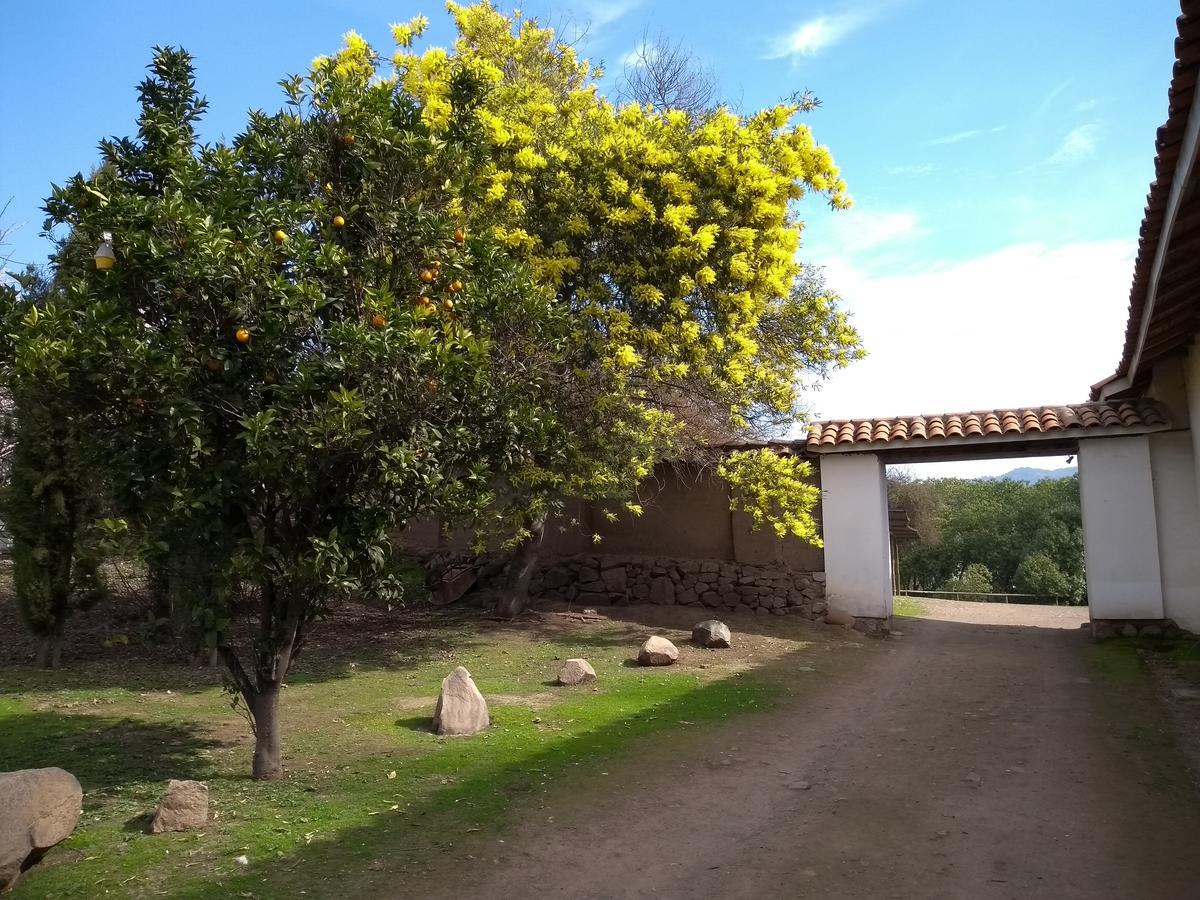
<point>998,153</point>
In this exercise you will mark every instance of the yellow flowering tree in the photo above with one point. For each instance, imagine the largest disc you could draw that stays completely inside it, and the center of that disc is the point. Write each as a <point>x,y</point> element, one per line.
<point>670,237</point>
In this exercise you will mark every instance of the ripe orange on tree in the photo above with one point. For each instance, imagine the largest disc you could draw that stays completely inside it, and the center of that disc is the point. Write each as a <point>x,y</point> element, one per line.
<point>378,321</point>
<point>339,222</point>
<point>456,286</point>
<point>242,335</point>
<point>280,236</point>
<point>427,275</point>
<point>459,235</point>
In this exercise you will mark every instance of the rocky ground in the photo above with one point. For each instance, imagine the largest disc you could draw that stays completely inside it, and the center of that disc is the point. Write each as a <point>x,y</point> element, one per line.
<point>983,752</point>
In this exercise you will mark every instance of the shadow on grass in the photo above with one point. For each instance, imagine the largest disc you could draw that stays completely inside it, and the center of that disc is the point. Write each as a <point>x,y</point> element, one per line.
<point>364,858</point>
<point>104,752</point>
<point>421,724</point>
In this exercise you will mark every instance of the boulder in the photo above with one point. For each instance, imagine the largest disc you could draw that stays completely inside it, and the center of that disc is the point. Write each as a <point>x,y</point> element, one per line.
<point>183,807</point>
<point>38,808</point>
<point>657,651</point>
<point>576,671</point>
<point>461,709</point>
<point>711,633</point>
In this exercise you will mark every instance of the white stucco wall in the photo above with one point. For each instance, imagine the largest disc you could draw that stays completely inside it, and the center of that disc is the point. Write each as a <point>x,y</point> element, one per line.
<point>854,522</point>
<point>1191,378</point>
<point>1116,489</point>
<point>1177,521</point>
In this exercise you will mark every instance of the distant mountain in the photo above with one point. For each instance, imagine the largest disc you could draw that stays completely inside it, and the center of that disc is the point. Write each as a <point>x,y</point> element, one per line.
<point>1032,476</point>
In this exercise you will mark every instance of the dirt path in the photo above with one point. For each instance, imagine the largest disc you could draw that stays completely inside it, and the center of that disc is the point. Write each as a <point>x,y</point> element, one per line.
<point>964,759</point>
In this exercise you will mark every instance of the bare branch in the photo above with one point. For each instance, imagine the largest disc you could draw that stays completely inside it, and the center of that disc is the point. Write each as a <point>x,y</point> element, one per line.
<point>668,75</point>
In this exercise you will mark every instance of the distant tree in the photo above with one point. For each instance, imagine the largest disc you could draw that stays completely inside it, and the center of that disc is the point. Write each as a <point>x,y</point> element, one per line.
<point>1038,574</point>
<point>996,523</point>
<point>975,579</point>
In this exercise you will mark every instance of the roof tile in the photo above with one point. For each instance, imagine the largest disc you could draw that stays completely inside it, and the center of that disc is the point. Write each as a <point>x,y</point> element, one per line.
<point>1140,414</point>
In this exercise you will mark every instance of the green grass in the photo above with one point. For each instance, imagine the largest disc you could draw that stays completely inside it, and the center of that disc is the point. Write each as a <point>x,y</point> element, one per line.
<point>1120,658</point>
<point>907,606</point>
<point>342,819</point>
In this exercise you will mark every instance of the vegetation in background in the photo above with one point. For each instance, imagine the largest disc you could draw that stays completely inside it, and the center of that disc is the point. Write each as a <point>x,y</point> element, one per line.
<point>50,501</point>
<point>981,536</point>
<point>457,284</point>
<point>975,579</point>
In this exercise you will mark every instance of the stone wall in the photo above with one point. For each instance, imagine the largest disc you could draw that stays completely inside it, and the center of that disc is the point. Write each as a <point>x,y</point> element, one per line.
<point>599,580</point>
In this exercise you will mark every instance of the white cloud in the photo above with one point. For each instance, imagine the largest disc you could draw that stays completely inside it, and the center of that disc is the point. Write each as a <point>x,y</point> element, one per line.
<point>599,13</point>
<point>960,136</point>
<point>913,170</point>
<point>811,37</point>
<point>1078,144</point>
<point>859,230</point>
<point>1025,325</point>
<point>1051,97</point>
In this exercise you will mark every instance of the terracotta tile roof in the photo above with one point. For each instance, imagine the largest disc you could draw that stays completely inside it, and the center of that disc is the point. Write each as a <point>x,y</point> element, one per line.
<point>1173,319</point>
<point>998,423</point>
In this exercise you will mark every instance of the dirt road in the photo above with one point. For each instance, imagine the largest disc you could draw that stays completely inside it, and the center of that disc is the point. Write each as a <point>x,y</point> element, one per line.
<point>969,758</point>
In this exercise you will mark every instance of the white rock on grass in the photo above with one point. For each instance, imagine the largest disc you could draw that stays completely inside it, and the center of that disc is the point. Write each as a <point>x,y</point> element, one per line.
<point>711,633</point>
<point>658,651</point>
<point>461,709</point>
<point>576,671</point>
<point>38,808</point>
<point>183,807</point>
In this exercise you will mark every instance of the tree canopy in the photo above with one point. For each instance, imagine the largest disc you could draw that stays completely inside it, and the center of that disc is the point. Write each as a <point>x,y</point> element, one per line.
<point>1029,537</point>
<point>458,283</point>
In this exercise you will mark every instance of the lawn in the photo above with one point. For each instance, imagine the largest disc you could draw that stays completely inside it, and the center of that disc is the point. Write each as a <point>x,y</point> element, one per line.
<point>907,606</point>
<point>371,794</point>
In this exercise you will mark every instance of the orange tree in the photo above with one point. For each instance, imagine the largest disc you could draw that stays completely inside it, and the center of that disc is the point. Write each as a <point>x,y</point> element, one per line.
<point>456,283</point>
<point>297,348</point>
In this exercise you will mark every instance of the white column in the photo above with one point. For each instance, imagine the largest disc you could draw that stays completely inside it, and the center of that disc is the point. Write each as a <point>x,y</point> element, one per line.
<point>1120,533</point>
<point>1178,520</point>
<point>854,522</point>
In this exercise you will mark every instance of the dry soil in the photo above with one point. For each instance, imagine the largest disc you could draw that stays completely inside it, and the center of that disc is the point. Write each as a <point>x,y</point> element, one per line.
<point>980,754</point>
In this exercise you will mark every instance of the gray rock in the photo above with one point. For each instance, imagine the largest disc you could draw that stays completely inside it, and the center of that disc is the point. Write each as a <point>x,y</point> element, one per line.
<point>711,598</point>
<point>711,633</point>
<point>556,578</point>
<point>183,807</point>
<point>662,591</point>
<point>614,579</point>
<point>38,808</point>
<point>461,709</point>
<point>686,597</point>
<point>576,671</point>
<point>657,651</point>
<point>588,574</point>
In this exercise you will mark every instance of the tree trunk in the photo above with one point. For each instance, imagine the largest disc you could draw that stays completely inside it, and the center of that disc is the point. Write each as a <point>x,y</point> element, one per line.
<point>521,569</point>
<point>42,659</point>
<point>56,645</point>
<point>268,750</point>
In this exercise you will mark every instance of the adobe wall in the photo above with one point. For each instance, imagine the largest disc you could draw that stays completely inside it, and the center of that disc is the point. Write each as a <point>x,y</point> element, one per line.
<point>685,515</point>
<point>687,548</point>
